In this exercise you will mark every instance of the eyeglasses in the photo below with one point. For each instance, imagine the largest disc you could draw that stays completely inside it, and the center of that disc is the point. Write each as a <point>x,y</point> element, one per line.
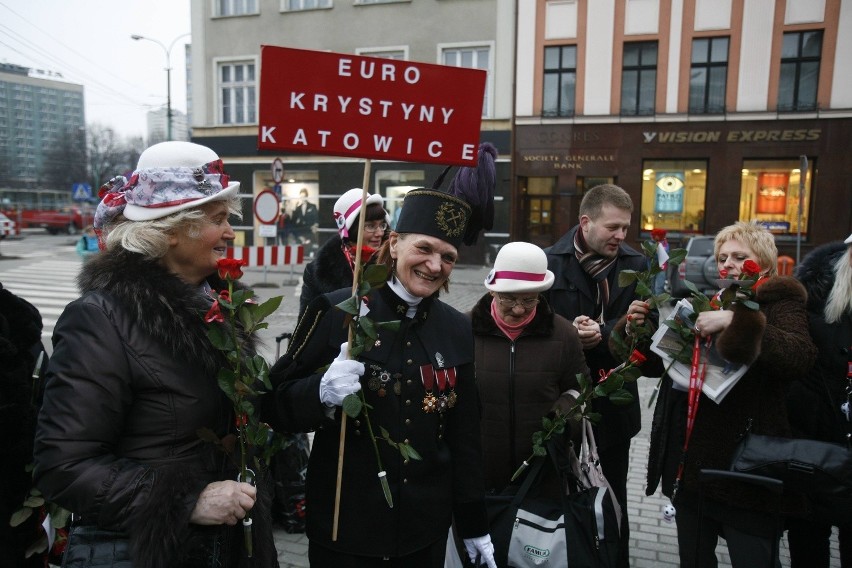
<point>526,303</point>
<point>375,227</point>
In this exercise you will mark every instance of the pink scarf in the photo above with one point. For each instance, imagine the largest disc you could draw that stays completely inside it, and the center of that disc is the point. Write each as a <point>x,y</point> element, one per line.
<point>511,331</point>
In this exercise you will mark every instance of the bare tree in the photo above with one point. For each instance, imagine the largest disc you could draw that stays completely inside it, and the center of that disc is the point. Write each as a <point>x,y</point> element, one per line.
<point>64,160</point>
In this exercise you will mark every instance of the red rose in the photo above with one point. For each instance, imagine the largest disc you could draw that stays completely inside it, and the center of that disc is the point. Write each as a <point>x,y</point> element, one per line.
<point>658,234</point>
<point>214,313</point>
<point>229,268</point>
<point>636,357</point>
<point>750,269</point>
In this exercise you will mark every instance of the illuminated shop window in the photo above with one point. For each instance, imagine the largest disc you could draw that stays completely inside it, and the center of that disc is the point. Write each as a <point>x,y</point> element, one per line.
<point>770,194</point>
<point>673,195</point>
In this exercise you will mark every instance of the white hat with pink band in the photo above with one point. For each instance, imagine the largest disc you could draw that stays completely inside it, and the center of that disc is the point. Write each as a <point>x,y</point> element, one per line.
<point>520,267</point>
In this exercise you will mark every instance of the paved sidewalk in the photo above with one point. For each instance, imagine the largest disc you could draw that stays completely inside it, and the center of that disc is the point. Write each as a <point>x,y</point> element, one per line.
<point>653,542</point>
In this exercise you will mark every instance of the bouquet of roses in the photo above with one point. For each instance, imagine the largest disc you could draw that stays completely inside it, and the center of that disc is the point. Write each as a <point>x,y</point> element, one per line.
<point>234,316</point>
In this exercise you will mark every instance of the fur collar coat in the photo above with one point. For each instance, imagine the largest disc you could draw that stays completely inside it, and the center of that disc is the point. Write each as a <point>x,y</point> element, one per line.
<point>131,389</point>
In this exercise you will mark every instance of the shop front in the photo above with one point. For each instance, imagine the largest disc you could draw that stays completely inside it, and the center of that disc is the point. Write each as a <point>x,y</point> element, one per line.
<point>690,177</point>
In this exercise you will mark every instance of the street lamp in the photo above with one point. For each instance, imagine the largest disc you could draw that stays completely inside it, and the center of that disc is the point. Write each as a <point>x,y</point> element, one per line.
<point>168,52</point>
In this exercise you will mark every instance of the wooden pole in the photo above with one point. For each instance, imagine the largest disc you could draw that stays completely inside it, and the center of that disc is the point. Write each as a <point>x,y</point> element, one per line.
<point>356,275</point>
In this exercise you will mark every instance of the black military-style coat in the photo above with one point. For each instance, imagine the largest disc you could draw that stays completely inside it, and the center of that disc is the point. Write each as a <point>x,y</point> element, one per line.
<point>573,294</point>
<point>427,494</point>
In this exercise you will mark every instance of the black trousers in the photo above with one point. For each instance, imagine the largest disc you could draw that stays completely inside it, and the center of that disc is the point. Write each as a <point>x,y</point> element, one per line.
<point>615,461</point>
<point>430,557</point>
<point>810,546</point>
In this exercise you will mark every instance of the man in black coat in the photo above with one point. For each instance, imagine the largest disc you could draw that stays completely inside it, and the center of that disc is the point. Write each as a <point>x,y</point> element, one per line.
<point>586,262</point>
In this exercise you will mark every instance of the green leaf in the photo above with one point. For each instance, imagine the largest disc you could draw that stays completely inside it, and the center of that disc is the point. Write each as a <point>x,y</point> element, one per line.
<point>593,417</point>
<point>267,308</point>
<point>220,338</point>
<point>375,274</point>
<point>582,381</point>
<point>350,305</point>
<point>352,405</point>
<point>626,278</point>
<point>412,453</point>
<point>750,304</point>
<point>677,255</point>
<point>34,501</point>
<point>546,423</point>
<point>363,289</point>
<point>621,397</point>
<point>20,516</point>
<point>539,451</point>
<point>367,326</point>
<point>538,437</point>
<point>643,290</point>
<point>388,325</point>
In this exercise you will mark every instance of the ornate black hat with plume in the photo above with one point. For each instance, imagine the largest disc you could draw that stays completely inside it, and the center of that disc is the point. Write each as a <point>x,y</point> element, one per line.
<point>459,214</point>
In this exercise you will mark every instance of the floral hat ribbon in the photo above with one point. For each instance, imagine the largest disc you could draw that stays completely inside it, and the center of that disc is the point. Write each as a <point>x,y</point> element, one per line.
<point>153,188</point>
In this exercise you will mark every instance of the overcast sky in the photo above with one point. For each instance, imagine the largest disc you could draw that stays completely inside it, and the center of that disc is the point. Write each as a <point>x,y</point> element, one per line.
<point>88,42</point>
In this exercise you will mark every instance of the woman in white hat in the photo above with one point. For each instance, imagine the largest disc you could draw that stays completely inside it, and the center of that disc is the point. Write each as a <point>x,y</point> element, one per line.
<point>333,266</point>
<point>527,357</point>
<point>133,380</point>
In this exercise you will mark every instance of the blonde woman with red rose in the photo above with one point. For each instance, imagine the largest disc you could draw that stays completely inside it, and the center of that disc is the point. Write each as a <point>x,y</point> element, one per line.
<point>775,343</point>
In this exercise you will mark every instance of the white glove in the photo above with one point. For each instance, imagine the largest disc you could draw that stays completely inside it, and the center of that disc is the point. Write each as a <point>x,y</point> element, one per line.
<point>481,550</point>
<point>340,379</point>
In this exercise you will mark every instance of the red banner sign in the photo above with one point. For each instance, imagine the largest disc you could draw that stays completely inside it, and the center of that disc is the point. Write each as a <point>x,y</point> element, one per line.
<point>367,107</point>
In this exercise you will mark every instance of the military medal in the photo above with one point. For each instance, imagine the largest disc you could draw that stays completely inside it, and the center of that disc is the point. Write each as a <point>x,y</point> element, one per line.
<point>427,375</point>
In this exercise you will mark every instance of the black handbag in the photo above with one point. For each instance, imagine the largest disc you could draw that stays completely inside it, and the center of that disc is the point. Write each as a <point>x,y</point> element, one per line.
<point>579,530</point>
<point>92,547</point>
<point>822,471</point>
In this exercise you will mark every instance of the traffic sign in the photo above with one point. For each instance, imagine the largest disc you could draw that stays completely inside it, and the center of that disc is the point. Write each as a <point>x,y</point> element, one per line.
<point>277,170</point>
<point>266,207</point>
<point>81,192</point>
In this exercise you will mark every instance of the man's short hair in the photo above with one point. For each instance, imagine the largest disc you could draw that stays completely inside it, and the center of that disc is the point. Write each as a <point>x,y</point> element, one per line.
<point>604,194</point>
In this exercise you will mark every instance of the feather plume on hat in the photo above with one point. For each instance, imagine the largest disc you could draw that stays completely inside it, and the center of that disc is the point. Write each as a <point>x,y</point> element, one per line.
<point>476,186</point>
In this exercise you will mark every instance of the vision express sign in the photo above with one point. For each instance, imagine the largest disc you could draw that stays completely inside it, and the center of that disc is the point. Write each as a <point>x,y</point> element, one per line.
<point>368,107</point>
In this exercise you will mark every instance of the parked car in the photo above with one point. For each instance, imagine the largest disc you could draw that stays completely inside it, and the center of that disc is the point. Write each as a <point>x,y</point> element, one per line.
<point>7,227</point>
<point>699,267</point>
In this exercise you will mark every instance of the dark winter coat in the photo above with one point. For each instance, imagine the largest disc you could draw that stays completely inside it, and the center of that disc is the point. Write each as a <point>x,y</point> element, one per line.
<point>814,402</point>
<point>521,381</point>
<point>573,294</point>
<point>20,344</point>
<point>131,382</point>
<point>776,342</point>
<point>427,494</point>
<point>329,271</point>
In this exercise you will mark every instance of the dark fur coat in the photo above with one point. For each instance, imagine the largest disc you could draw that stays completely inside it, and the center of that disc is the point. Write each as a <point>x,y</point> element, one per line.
<point>329,271</point>
<point>815,400</point>
<point>132,358</point>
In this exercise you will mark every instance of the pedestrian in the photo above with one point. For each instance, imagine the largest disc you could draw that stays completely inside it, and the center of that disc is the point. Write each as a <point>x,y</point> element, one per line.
<point>662,256</point>
<point>775,343</point>
<point>334,264</point>
<point>815,403</point>
<point>132,383</point>
<point>586,262</point>
<point>22,360</point>
<point>88,246</point>
<point>527,359</point>
<point>418,383</point>
<point>303,220</point>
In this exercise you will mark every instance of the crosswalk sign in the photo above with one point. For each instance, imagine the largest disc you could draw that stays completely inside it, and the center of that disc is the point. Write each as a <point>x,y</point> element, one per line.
<point>81,192</point>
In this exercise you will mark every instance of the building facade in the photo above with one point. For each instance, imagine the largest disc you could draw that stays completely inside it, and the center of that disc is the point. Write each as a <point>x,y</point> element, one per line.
<point>226,40</point>
<point>705,111</point>
<point>38,112</point>
<point>157,126</point>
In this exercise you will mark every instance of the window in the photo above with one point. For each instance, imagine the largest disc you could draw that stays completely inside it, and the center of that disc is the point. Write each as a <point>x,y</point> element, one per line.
<point>673,195</point>
<point>639,78</point>
<point>399,54</point>
<point>560,80</point>
<point>297,5</point>
<point>800,56</point>
<point>236,7</point>
<point>474,57</point>
<point>770,194</point>
<point>237,85</point>
<point>708,75</point>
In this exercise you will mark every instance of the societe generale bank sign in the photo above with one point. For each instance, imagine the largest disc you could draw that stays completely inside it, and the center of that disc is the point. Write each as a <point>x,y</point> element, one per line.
<point>367,107</point>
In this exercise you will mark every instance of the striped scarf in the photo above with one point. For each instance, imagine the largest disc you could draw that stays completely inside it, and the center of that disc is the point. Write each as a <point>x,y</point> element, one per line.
<point>597,267</point>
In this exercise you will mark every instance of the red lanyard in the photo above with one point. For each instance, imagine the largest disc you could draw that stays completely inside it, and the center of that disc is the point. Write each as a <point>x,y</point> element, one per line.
<point>696,383</point>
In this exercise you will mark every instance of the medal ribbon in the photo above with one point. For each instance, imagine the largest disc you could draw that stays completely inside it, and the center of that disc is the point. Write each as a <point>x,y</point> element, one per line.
<point>427,375</point>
